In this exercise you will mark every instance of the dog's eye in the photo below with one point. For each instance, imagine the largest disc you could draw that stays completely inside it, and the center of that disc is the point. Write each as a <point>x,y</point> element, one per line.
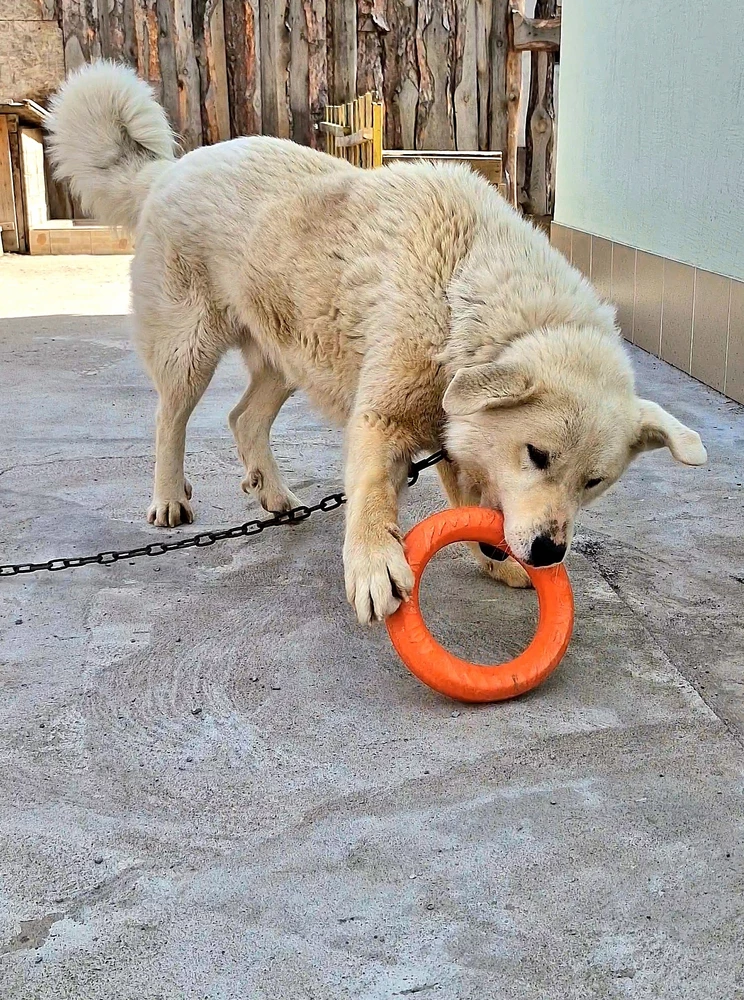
<point>539,458</point>
<point>591,483</point>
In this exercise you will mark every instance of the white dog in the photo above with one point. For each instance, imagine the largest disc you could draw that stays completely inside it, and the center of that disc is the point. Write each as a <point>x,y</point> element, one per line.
<point>410,303</point>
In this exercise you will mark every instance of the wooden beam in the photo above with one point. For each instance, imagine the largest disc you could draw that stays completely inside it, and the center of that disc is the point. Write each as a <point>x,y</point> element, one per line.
<point>355,139</point>
<point>536,34</point>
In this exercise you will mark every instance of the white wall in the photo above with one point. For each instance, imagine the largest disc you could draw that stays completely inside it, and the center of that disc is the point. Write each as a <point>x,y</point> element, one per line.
<point>651,127</point>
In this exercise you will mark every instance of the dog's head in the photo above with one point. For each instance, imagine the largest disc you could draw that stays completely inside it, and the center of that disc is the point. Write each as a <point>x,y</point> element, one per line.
<point>549,427</point>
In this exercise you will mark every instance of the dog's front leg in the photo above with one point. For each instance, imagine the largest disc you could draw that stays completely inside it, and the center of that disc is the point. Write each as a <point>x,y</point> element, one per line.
<point>378,577</point>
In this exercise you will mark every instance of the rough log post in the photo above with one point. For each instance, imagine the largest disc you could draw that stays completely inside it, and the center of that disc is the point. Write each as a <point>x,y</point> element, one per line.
<point>513,101</point>
<point>401,79</point>
<point>342,67</point>
<point>167,61</point>
<point>307,68</point>
<point>435,52</point>
<point>465,83</point>
<point>483,23</point>
<point>539,142</point>
<point>80,35</point>
<point>116,26</point>
<point>209,49</point>
<point>274,38</point>
<point>497,57</point>
<point>372,26</point>
<point>242,51</point>
<point>146,38</point>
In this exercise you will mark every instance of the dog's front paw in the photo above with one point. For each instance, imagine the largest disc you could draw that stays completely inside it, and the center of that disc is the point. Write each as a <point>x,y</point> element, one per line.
<point>506,571</point>
<point>378,576</point>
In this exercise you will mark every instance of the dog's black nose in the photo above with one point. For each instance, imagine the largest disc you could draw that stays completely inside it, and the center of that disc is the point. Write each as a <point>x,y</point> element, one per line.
<point>545,552</point>
<point>491,552</point>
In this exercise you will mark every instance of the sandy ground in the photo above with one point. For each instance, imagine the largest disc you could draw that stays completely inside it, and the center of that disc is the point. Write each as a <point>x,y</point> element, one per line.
<point>215,784</point>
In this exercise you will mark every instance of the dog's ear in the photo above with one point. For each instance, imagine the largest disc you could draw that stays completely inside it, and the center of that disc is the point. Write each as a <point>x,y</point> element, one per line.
<point>659,429</point>
<point>484,387</point>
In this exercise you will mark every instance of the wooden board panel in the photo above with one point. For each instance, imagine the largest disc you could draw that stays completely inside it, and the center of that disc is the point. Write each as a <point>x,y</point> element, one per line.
<point>32,173</point>
<point>15,164</point>
<point>8,221</point>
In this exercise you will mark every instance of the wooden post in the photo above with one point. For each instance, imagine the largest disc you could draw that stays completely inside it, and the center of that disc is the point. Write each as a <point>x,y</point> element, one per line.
<point>342,67</point>
<point>539,141</point>
<point>513,102</point>
<point>242,53</point>
<point>274,67</point>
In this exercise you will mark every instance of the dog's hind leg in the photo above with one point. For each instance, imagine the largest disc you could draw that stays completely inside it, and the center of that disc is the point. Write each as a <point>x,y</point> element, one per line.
<point>181,360</point>
<point>250,421</point>
<point>507,570</point>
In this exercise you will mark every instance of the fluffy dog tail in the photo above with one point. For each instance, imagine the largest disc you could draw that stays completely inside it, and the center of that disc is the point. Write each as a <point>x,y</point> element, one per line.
<point>109,138</point>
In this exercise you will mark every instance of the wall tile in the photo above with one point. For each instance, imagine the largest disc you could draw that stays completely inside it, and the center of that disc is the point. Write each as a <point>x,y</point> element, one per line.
<point>560,237</point>
<point>735,363</point>
<point>581,252</point>
<point>623,286</point>
<point>601,275</point>
<point>676,315</point>
<point>710,328</point>
<point>649,286</point>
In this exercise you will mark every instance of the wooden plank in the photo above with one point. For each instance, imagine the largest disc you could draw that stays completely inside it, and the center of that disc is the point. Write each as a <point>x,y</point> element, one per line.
<point>377,129</point>
<point>372,26</point>
<point>361,138</point>
<point>342,67</point>
<point>513,103</point>
<point>466,76</point>
<point>483,22</point>
<point>79,22</point>
<point>274,39</point>
<point>435,125</point>
<point>169,84</point>
<point>400,81</point>
<point>298,69</point>
<point>187,75</point>
<point>540,133</point>
<point>331,128</point>
<point>32,174</point>
<point>8,221</point>
<point>368,127</point>
<point>317,63</point>
<point>498,50</point>
<point>242,52</point>
<point>117,30</point>
<point>15,163</point>
<point>146,42</point>
<point>536,34</point>
<point>209,50</point>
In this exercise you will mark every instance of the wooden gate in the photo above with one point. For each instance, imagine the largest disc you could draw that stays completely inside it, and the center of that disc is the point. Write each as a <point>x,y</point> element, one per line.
<point>353,131</point>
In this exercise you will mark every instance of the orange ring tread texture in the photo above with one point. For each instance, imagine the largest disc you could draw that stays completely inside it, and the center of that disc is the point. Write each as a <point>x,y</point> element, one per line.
<point>447,673</point>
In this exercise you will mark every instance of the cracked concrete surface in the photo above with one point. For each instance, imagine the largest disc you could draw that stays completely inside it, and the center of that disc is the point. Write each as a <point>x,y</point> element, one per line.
<point>215,784</point>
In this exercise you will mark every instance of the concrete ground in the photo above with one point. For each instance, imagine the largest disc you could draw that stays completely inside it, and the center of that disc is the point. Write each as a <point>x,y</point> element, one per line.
<point>215,784</point>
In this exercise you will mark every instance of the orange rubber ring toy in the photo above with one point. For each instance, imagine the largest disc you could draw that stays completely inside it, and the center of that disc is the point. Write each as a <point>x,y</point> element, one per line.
<point>447,673</point>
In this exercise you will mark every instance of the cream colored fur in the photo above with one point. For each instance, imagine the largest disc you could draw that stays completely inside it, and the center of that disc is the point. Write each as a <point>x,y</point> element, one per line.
<point>411,304</point>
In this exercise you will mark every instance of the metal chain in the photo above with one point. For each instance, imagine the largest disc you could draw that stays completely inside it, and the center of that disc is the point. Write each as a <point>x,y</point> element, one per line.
<point>205,538</point>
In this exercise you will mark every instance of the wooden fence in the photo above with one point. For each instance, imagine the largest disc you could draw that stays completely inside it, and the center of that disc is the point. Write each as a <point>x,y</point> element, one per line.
<point>448,71</point>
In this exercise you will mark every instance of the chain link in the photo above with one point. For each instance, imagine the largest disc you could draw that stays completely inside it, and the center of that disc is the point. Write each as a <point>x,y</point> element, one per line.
<point>205,538</point>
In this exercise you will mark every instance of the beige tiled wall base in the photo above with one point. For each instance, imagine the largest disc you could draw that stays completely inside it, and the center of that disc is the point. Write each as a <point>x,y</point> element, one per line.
<point>691,318</point>
<point>63,237</point>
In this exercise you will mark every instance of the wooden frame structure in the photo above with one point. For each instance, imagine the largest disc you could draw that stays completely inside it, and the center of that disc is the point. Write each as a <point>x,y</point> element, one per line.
<point>353,131</point>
